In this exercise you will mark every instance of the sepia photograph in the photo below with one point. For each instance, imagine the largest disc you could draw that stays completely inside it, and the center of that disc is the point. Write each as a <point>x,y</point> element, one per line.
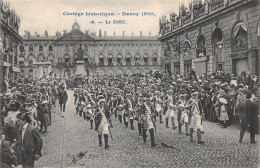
<point>129,83</point>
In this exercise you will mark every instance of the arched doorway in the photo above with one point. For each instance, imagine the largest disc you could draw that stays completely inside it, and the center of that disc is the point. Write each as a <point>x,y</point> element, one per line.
<point>217,40</point>
<point>101,72</point>
<point>110,72</point>
<point>128,71</point>
<point>67,73</point>
<point>119,72</point>
<point>239,48</point>
<point>137,71</point>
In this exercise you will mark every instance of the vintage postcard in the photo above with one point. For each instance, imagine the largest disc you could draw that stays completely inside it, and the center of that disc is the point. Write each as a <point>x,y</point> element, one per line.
<point>129,83</point>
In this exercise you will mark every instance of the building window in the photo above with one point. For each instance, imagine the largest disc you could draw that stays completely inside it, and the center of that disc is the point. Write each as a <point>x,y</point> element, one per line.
<point>128,61</point>
<point>67,60</point>
<point>10,59</point>
<point>66,48</point>
<point>155,61</point>
<point>119,62</point>
<point>50,48</point>
<point>110,61</point>
<point>101,62</point>
<point>146,62</point>
<point>31,48</point>
<point>220,66</point>
<point>31,61</point>
<point>86,60</point>
<point>40,48</point>
<point>21,48</point>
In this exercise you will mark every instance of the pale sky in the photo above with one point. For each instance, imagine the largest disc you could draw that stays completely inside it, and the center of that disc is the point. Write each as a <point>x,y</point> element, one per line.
<point>40,15</point>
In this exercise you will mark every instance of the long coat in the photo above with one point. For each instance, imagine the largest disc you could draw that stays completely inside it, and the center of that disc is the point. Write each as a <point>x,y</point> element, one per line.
<point>63,97</point>
<point>31,143</point>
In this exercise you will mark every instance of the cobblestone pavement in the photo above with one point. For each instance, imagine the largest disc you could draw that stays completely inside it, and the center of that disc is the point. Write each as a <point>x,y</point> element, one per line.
<point>70,134</point>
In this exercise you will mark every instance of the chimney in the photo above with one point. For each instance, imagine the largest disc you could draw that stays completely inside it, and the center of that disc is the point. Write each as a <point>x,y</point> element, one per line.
<point>140,33</point>
<point>105,33</point>
<point>100,33</point>
<point>123,33</point>
<point>114,33</point>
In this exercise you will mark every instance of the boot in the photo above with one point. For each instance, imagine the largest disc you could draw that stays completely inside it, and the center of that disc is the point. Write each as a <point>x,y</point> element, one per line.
<point>100,140</point>
<point>167,119</point>
<point>199,137</point>
<point>126,124</point>
<point>225,125</point>
<point>187,129</point>
<point>191,133</point>
<point>91,124</point>
<point>106,141</point>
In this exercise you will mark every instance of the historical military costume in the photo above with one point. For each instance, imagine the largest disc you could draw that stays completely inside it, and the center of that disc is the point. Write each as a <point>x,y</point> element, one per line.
<point>129,110</point>
<point>148,123</point>
<point>140,111</point>
<point>103,122</point>
<point>195,120</point>
<point>182,112</point>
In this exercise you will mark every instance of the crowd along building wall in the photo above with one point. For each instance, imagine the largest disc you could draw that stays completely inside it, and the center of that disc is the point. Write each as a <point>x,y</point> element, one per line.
<point>219,35</point>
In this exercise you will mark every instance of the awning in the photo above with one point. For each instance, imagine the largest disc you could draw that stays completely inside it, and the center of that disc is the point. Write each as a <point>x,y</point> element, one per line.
<point>101,56</point>
<point>237,28</point>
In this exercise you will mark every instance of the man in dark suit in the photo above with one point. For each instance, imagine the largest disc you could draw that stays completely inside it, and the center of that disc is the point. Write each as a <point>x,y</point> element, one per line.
<point>63,98</point>
<point>248,118</point>
<point>29,143</point>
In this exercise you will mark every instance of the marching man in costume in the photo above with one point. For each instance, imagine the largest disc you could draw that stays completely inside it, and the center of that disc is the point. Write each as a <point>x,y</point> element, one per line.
<point>103,122</point>
<point>195,120</point>
<point>148,123</point>
<point>182,112</point>
<point>158,104</point>
<point>140,111</point>
<point>183,119</point>
<point>129,112</point>
<point>169,101</point>
<point>120,112</point>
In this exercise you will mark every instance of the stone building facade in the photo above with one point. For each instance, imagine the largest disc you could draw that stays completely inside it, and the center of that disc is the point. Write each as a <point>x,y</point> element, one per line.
<point>78,53</point>
<point>217,35</point>
<point>9,40</point>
